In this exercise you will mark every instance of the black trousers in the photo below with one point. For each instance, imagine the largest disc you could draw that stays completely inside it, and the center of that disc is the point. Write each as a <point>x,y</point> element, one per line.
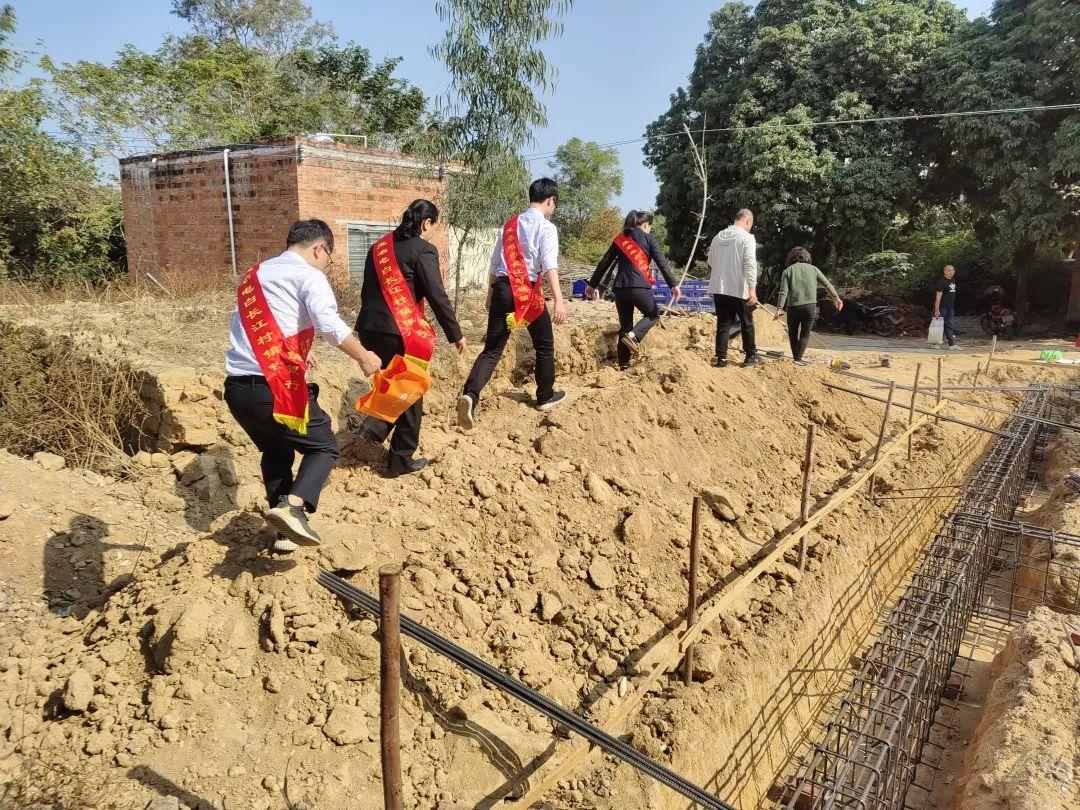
<point>406,429</point>
<point>543,340</point>
<point>800,323</point>
<point>252,405</point>
<point>728,310</point>
<point>627,299</point>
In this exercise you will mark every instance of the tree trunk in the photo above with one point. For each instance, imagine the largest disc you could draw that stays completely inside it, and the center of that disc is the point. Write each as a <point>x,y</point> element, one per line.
<point>1024,261</point>
<point>466,234</point>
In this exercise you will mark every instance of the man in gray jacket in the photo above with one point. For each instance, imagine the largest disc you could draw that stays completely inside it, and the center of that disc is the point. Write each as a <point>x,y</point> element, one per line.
<point>733,284</point>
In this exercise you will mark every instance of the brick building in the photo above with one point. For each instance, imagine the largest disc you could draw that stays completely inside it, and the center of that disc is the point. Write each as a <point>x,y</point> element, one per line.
<point>176,205</point>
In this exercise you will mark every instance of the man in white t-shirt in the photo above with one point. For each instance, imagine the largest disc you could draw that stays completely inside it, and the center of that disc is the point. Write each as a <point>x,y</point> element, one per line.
<point>294,288</point>
<point>539,243</point>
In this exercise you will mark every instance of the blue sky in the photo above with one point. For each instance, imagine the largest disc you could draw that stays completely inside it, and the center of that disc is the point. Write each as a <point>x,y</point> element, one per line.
<point>618,61</point>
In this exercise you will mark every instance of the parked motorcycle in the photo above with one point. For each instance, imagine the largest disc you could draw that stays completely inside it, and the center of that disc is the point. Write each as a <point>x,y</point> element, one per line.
<point>882,321</point>
<point>998,319</point>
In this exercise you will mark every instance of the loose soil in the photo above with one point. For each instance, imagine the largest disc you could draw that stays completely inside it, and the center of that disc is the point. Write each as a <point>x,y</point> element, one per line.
<point>151,646</point>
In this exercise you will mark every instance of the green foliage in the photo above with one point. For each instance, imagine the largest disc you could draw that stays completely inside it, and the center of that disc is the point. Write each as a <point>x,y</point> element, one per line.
<point>589,242</point>
<point>764,74</point>
<point>589,176</point>
<point>493,53</point>
<point>885,271</point>
<point>56,220</point>
<point>255,70</point>
<point>1020,173</point>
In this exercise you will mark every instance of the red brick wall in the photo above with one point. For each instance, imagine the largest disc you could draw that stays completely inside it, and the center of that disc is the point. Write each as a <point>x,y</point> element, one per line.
<point>175,216</point>
<point>342,184</point>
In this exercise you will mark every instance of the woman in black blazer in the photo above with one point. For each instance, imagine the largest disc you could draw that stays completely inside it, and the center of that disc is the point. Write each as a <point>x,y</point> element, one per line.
<point>632,252</point>
<point>419,263</point>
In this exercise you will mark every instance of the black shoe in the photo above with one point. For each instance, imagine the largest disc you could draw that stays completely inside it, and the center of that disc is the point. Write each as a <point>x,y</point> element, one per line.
<point>548,404</point>
<point>719,362</point>
<point>753,360</point>
<point>370,433</point>
<point>398,469</point>
<point>291,522</point>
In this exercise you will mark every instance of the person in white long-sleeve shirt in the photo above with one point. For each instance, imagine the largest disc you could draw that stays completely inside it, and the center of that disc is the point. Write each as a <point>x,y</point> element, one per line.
<point>301,303</point>
<point>733,284</point>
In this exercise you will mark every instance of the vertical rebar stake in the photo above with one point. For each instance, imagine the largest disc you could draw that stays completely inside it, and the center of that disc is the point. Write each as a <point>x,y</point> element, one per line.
<point>390,684</point>
<point>804,506</point>
<point>911,409</point>
<point>881,435</point>
<point>691,605</point>
<point>993,349</point>
<point>978,368</point>
<point>936,420</point>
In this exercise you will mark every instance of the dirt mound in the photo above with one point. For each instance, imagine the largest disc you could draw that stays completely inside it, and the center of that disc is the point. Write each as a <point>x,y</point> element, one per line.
<point>1025,751</point>
<point>189,662</point>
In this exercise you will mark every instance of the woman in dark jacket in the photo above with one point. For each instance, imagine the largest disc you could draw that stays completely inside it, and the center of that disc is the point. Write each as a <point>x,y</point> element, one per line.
<point>798,289</point>
<point>632,253</point>
<point>419,263</point>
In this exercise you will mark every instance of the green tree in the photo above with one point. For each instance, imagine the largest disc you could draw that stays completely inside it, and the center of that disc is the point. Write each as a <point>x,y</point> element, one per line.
<point>589,176</point>
<point>56,219</point>
<point>764,76</point>
<point>255,70</point>
<point>1021,173</point>
<point>493,51</point>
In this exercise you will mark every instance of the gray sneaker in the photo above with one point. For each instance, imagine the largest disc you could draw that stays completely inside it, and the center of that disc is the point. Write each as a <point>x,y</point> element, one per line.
<point>629,340</point>
<point>465,417</point>
<point>291,521</point>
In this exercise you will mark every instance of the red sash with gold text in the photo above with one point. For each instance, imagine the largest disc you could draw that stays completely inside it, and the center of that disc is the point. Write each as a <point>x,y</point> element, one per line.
<point>416,332</point>
<point>528,297</point>
<point>638,257</point>
<point>283,360</point>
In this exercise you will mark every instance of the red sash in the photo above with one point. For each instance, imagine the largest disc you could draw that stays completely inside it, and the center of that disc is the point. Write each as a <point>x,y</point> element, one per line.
<point>528,297</point>
<point>632,250</point>
<point>283,360</point>
<point>416,332</point>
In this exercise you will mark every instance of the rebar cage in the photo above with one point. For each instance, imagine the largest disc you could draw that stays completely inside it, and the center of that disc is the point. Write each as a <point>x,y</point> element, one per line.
<point>980,560</point>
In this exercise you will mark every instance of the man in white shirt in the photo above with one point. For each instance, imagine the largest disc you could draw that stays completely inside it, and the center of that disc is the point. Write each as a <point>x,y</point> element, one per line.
<point>539,241</point>
<point>733,284</point>
<point>300,302</point>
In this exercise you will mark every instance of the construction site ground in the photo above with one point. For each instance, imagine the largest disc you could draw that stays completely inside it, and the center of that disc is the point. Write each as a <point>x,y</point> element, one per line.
<point>151,646</point>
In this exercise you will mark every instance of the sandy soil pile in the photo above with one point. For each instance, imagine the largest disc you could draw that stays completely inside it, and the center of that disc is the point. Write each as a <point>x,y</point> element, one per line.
<point>181,659</point>
<point>1026,750</point>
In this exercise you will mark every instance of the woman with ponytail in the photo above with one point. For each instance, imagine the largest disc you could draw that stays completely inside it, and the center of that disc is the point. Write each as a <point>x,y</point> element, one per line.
<point>415,261</point>
<point>632,253</point>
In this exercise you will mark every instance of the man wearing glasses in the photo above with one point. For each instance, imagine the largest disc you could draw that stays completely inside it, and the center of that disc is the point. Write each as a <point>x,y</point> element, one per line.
<point>527,249</point>
<point>280,305</point>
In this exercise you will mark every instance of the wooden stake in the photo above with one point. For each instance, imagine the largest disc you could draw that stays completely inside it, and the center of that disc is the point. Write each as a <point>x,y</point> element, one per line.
<point>978,368</point>
<point>937,421</point>
<point>993,349</point>
<point>691,606</point>
<point>911,410</point>
<point>881,435</point>
<point>807,471</point>
<point>390,684</point>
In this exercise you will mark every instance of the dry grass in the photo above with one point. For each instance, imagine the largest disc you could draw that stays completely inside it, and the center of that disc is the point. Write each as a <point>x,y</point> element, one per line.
<point>40,786</point>
<point>58,397</point>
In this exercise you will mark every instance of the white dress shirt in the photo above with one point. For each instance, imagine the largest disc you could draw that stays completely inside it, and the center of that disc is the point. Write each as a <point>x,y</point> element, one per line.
<point>539,244</point>
<point>299,297</point>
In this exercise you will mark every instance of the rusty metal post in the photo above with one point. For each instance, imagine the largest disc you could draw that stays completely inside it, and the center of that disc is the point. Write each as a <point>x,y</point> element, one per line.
<point>911,409</point>
<point>691,606</point>
<point>881,435</point>
<point>936,420</point>
<point>390,684</point>
<point>978,369</point>
<point>807,472</point>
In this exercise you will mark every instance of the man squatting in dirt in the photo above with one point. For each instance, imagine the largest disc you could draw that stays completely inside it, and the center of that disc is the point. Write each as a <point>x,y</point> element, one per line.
<point>281,303</point>
<point>632,252</point>
<point>527,248</point>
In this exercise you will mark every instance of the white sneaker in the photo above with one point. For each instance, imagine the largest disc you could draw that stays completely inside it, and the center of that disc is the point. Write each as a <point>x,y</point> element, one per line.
<point>465,416</point>
<point>290,521</point>
<point>283,545</point>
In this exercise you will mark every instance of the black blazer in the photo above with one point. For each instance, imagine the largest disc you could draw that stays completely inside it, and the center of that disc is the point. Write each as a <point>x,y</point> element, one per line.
<point>626,275</point>
<point>419,262</point>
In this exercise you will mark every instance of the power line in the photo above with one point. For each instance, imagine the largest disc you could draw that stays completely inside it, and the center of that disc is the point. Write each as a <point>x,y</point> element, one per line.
<point>833,123</point>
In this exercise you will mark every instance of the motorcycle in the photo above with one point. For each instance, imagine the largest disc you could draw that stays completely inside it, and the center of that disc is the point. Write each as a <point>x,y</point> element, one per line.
<point>998,319</point>
<point>855,317</point>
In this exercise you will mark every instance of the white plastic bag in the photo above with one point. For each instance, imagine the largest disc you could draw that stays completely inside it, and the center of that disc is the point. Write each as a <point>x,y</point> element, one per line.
<point>937,331</point>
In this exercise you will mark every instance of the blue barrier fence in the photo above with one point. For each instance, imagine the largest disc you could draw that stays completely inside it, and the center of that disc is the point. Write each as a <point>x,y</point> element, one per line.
<point>695,294</point>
